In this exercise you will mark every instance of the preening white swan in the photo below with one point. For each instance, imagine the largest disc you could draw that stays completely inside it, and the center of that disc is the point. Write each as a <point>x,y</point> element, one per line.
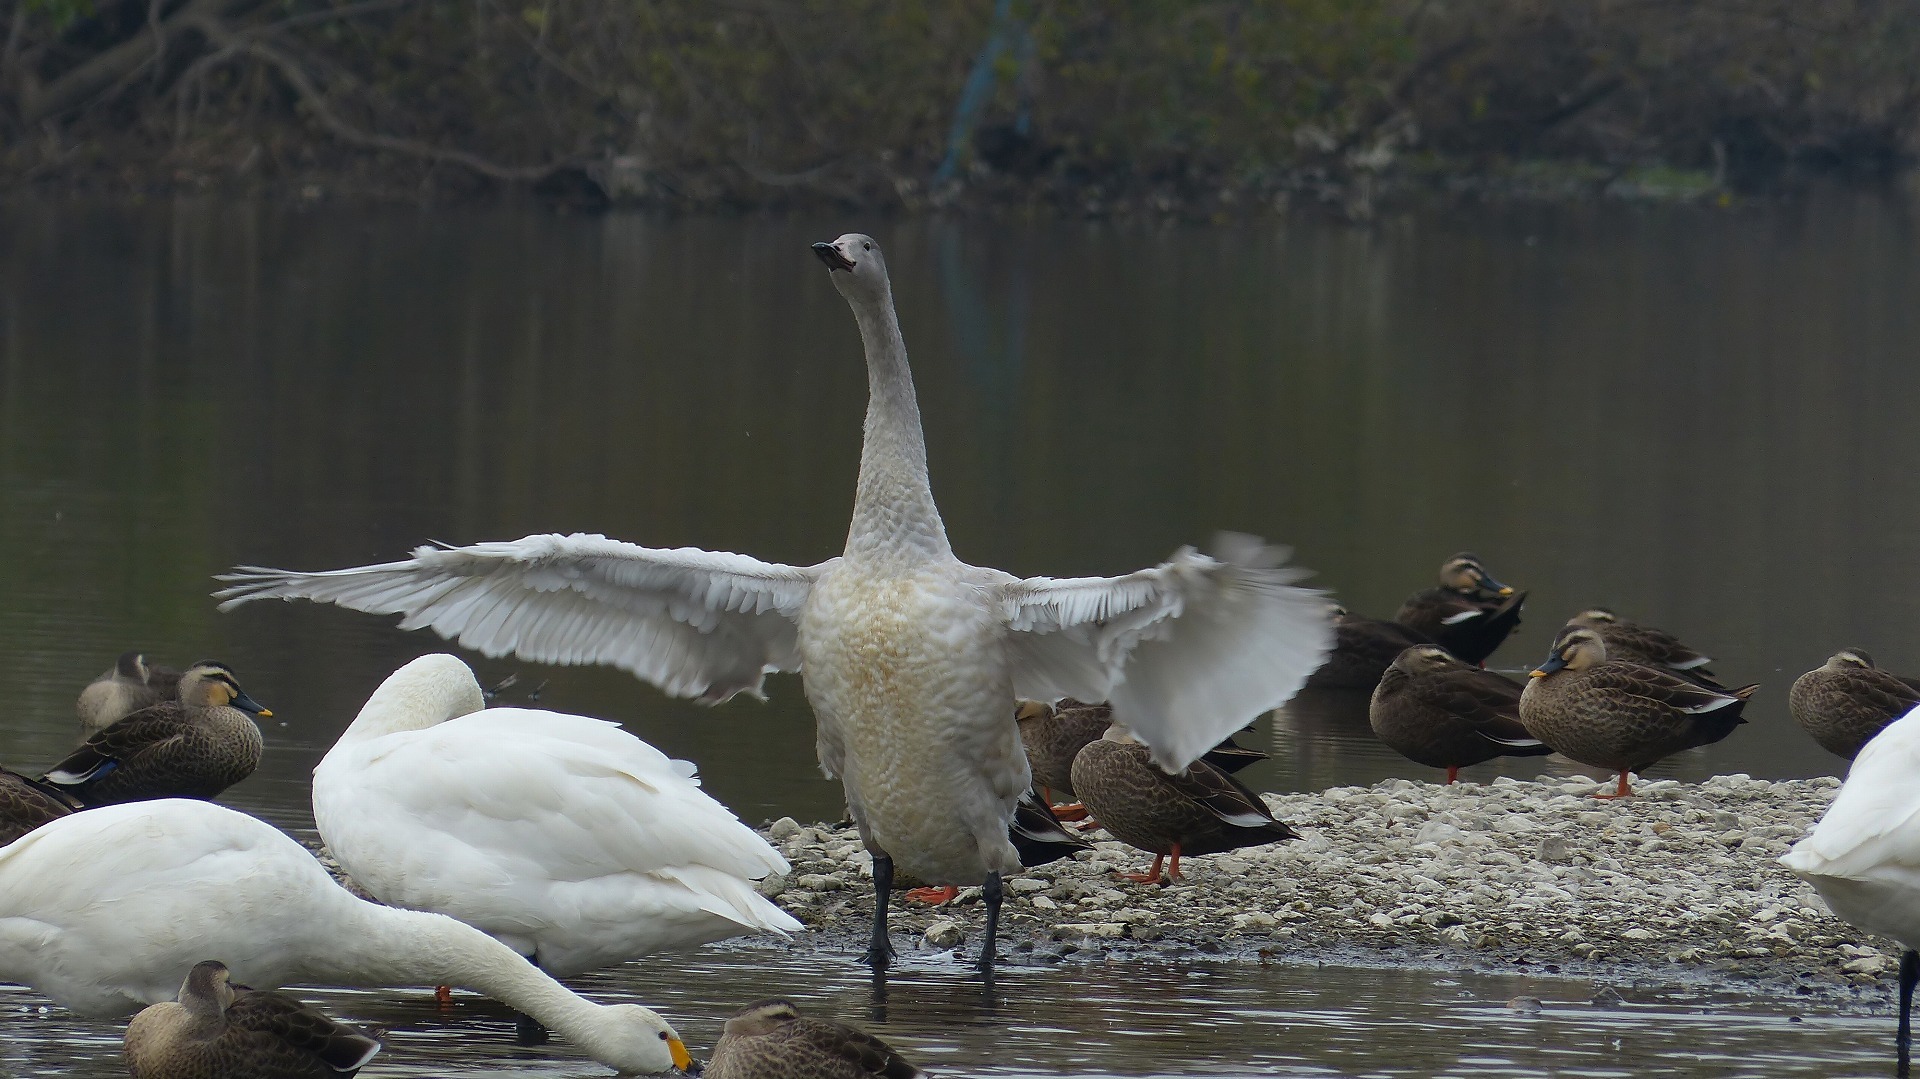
<point>106,911</point>
<point>912,659</point>
<point>1864,855</point>
<point>565,838</point>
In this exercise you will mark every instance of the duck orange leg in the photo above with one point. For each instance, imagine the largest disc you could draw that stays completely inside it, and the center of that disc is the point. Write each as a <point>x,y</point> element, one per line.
<point>1150,875</point>
<point>1453,773</point>
<point>443,996</point>
<point>1173,867</point>
<point>933,896</point>
<point>1619,792</point>
<point>1072,811</point>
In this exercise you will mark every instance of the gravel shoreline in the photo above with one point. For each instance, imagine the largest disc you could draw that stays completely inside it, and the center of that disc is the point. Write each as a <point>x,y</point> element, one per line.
<point>1678,883</point>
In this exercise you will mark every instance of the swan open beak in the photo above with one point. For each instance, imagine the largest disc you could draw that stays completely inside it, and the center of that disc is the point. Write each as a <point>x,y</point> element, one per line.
<point>831,255</point>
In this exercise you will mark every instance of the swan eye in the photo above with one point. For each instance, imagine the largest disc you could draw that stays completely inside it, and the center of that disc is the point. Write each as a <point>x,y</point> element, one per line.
<point>867,246</point>
<point>663,1035</point>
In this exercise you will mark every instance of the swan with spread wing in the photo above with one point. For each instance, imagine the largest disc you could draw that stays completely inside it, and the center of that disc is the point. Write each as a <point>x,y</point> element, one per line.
<point>911,658</point>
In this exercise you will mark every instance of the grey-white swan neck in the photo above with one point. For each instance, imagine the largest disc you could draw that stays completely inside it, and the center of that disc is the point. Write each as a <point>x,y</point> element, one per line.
<point>893,512</point>
<point>407,947</point>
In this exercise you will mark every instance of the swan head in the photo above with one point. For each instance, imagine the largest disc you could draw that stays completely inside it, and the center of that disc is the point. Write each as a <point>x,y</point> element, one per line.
<point>1464,573</point>
<point>424,693</point>
<point>637,1041</point>
<point>1575,649</point>
<point>207,684</point>
<point>856,266</point>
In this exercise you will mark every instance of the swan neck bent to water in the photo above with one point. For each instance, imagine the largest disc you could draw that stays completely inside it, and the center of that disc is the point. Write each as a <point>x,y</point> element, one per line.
<point>407,947</point>
<point>893,510</point>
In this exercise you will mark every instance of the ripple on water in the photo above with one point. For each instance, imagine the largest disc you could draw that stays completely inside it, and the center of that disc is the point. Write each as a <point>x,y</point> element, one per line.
<point>1109,1019</point>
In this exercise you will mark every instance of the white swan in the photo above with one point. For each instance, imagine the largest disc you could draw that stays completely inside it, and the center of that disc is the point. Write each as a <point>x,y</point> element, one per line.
<point>1863,857</point>
<point>912,659</point>
<point>565,838</point>
<point>106,911</point>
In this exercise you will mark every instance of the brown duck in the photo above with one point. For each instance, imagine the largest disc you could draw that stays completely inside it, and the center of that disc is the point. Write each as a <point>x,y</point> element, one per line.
<point>1647,645</point>
<point>1846,702</point>
<point>1363,648</point>
<point>217,1030</point>
<point>193,747</point>
<point>1469,614</point>
<point>772,1040</point>
<point>1203,810</point>
<point>1438,711</point>
<point>1054,735</point>
<point>26,804</point>
<point>133,684</point>
<point>1617,714</point>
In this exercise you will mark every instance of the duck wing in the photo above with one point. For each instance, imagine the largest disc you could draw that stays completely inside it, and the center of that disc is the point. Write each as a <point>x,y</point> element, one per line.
<point>695,623</point>
<point>1488,701</point>
<point>1187,652</point>
<point>302,1028</point>
<point>142,732</point>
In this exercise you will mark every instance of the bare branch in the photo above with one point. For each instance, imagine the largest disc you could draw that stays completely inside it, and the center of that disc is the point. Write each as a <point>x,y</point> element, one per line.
<point>322,110</point>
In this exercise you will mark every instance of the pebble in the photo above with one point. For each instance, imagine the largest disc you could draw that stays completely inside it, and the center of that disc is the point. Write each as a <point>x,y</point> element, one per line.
<point>1518,873</point>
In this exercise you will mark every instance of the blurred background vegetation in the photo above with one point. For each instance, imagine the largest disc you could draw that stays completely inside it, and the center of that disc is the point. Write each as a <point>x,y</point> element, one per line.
<point>1087,106</point>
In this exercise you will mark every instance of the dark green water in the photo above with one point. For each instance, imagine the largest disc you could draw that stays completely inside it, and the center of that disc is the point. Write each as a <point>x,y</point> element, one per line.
<point>1697,417</point>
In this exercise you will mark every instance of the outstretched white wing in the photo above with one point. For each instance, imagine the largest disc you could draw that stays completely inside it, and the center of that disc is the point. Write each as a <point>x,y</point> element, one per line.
<point>696,623</point>
<point>1187,652</point>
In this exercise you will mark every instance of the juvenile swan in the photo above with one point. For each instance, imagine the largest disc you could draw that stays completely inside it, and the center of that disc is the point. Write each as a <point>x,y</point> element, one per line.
<point>565,838</point>
<point>912,659</point>
<point>108,910</point>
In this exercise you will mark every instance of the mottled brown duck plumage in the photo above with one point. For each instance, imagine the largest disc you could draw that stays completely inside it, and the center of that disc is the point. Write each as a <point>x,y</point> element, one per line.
<point>131,685</point>
<point>193,747</point>
<point>1617,714</point>
<point>1847,701</point>
<point>772,1040</point>
<point>1203,810</point>
<point>1363,648</point>
<point>1054,736</point>
<point>1469,614</point>
<point>26,804</point>
<point>217,1030</point>
<point>1438,711</point>
<point>1647,645</point>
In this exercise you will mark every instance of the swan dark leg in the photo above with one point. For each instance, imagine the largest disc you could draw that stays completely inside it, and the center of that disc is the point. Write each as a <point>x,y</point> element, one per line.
<point>880,949</point>
<point>526,1029</point>
<point>1909,974</point>
<point>992,894</point>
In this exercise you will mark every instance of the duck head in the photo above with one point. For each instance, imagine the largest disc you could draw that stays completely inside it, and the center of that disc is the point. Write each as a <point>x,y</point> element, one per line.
<point>1575,649</point>
<point>1850,659</point>
<point>1464,573</point>
<point>208,684</point>
<point>1426,658</point>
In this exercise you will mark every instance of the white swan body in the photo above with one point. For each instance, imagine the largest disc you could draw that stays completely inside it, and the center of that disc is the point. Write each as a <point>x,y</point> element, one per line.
<point>563,837</point>
<point>106,911</point>
<point>1863,857</point>
<point>912,659</point>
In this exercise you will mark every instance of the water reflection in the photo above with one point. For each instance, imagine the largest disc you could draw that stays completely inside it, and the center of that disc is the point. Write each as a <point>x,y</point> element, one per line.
<point>1144,1018</point>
